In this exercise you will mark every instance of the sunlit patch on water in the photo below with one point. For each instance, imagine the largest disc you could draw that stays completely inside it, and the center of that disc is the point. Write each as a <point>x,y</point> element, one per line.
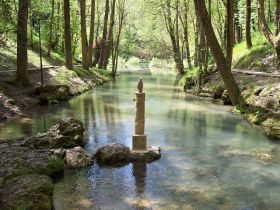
<point>211,159</point>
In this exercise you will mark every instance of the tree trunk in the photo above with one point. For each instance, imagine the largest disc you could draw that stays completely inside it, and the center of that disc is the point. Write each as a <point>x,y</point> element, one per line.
<point>238,29</point>
<point>104,36</point>
<point>173,33</point>
<point>110,35</point>
<point>121,11</point>
<point>22,58</point>
<point>274,40</point>
<point>222,64</point>
<point>277,16</point>
<point>91,33</point>
<point>84,40</point>
<point>67,36</point>
<point>186,33</point>
<point>230,30</point>
<point>51,31</point>
<point>57,27</point>
<point>248,24</point>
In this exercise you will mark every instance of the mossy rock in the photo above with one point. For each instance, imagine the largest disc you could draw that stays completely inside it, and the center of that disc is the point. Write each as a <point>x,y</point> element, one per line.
<point>52,93</point>
<point>27,192</point>
<point>64,134</point>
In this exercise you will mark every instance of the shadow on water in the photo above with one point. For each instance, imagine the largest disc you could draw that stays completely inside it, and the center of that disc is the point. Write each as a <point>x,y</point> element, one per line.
<point>203,166</point>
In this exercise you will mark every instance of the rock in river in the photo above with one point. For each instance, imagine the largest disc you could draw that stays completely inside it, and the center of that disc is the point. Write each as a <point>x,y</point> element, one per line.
<point>112,154</point>
<point>120,154</point>
<point>26,165</point>
<point>64,134</point>
<point>78,157</point>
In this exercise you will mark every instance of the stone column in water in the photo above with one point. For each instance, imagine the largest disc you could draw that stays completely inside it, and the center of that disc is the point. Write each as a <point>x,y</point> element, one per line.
<point>139,140</point>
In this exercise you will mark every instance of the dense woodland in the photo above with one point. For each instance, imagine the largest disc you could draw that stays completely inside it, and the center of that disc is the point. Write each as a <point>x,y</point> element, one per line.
<point>195,34</point>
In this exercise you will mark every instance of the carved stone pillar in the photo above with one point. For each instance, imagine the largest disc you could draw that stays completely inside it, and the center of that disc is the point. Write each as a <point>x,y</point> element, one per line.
<point>139,140</point>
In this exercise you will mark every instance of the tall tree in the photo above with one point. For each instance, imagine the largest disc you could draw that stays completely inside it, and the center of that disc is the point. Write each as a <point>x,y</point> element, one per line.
<point>221,61</point>
<point>185,25</point>
<point>172,28</point>
<point>277,16</point>
<point>84,39</point>
<point>50,41</point>
<point>109,40</point>
<point>115,54</point>
<point>22,58</point>
<point>230,30</point>
<point>238,29</point>
<point>67,36</point>
<point>274,40</point>
<point>104,35</point>
<point>91,33</point>
<point>248,24</point>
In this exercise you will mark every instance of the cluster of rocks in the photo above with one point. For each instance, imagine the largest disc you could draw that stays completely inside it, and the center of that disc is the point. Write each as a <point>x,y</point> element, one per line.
<point>29,164</point>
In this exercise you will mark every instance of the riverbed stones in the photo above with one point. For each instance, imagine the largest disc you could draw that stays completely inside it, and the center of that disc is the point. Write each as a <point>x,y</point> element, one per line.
<point>28,163</point>
<point>120,154</point>
<point>78,157</point>
<point>64,134</point>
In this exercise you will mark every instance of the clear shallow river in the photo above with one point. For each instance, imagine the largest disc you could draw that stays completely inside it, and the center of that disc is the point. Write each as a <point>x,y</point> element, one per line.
<point>204,165</point>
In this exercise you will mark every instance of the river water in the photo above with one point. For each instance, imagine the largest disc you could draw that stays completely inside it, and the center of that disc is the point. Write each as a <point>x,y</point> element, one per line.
<point>206,163</point>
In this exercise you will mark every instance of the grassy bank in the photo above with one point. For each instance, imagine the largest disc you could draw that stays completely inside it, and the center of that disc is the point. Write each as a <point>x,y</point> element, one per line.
<point>17,101</point>
<point>260,95</point>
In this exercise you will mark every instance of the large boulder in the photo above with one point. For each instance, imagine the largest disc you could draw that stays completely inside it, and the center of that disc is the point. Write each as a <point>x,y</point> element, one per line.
<point>27,192</point>
<point>112,154</point>
<point>78,157</point>
<point>51,93</point>
<point>118,154</point>
<point>64,134</point>
<point>153,153</point>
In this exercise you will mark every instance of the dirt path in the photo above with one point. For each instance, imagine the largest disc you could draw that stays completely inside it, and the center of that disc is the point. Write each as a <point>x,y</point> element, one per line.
<point>258,73</point>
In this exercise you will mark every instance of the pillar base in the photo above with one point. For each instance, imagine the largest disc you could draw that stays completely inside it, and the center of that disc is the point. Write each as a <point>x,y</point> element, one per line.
<point>139,142</point>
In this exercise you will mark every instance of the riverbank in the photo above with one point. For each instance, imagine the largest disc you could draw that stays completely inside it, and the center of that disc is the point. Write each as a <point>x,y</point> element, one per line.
<point>30,164</point>
<point>59,84</point>
<point>260,98</point>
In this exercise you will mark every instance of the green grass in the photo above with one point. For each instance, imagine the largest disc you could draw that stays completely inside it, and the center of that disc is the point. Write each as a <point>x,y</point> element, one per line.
<point>79,80</point>
<point>8,57</point>
<point>188,74</point>
<point>245,58</point>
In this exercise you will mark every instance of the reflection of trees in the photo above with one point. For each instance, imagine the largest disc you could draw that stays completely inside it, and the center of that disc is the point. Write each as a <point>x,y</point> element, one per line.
<point>112,112</point>
<point>90,118</point>
<point>26,128</point>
